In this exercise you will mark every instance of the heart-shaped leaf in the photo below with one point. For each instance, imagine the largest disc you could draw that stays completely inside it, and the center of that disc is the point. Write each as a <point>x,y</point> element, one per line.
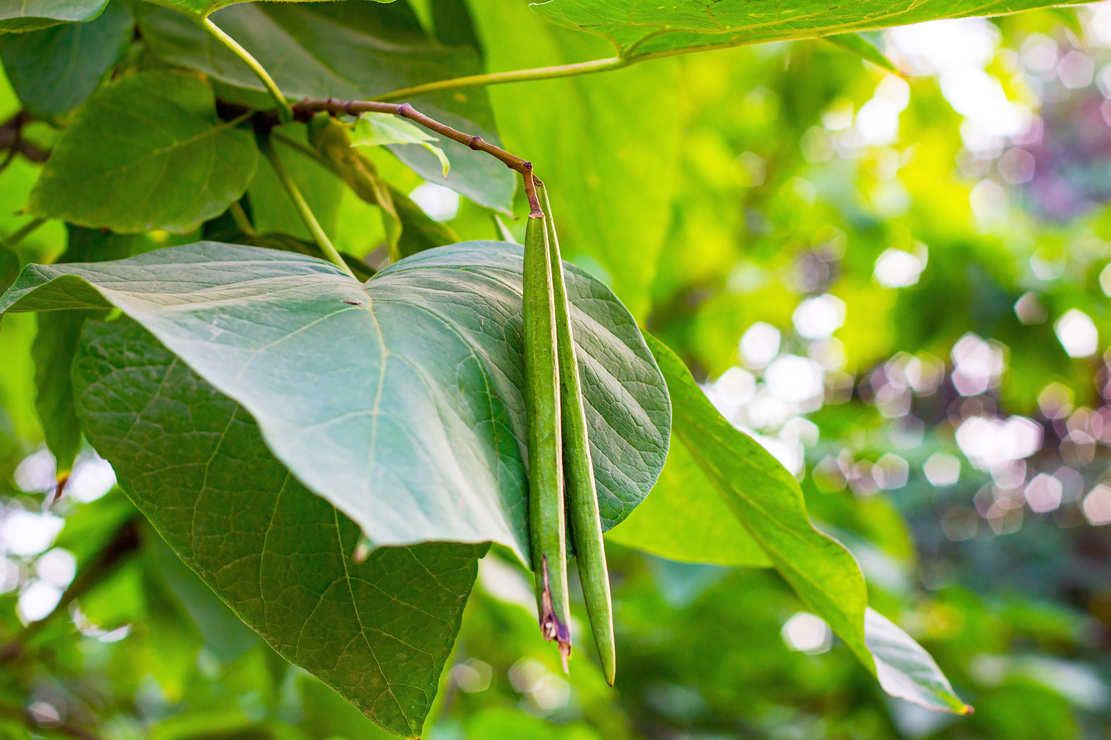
<point>145,153</point>
<point>769,511</point>
<point>399,401</point>
<point>352,50</point>
<point>32,15</point>
<point>54,70</point>
<point>378,632</point>
<point>659,29</point>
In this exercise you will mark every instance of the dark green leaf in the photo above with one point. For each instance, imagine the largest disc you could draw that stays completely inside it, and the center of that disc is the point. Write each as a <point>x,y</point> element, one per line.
<point>56,345</point>
<point>453,26</point>
<point>349,50</point>
<point>194,462</point>
<point>412,424</point>
<point>9,267</point>
<point>53,351</point>
<point>223,632</point>
<point>640,29</point>
<point>32,15</point>
<point>53,71</point>
<point>145,153</point>
<point>768,502</point>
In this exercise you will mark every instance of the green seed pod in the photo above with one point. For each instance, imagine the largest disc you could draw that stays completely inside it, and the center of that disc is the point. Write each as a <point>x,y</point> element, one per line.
<point>547,513</point>
<point>582,495</point>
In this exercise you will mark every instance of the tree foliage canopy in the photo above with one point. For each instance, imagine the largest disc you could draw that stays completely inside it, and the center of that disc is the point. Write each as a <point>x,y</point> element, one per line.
<point>839,312</point>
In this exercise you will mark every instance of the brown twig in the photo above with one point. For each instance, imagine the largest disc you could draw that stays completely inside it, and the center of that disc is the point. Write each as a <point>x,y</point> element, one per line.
<point>11,138</point>
<point>304,110</point>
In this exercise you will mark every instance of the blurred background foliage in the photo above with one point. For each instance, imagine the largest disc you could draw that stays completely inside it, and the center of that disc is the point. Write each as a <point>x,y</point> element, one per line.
<point>898,284</point>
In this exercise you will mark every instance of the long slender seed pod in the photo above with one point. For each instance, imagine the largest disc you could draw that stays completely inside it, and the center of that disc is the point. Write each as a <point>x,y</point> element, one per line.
<point>582,495</point>
<point>547,512</point>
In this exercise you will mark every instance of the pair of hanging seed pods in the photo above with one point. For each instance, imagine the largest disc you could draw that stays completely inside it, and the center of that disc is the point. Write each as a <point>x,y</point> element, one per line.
<point>561,475</point>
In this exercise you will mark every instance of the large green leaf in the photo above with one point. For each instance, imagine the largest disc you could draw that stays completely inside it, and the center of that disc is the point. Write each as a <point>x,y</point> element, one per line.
<point>624,160</point>
<point>769,510</point>
<point>639,29</point>
<point>194,463</point>
<point>56,345</point>
<point>399,401</point>
<point>685,519</point>
<point>145,153</point>
<point>349,50</point>
<point>32,15</point>
<point>224,633</point>
<point>53,71</point>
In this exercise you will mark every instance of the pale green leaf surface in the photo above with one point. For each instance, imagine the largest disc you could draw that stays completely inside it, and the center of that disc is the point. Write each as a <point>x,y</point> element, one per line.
<point>32,15</point>
<point>905,669</point>
<point>54,70</point>
<point>194,463</point>
<point>55,347</point>
<point>413,422</point>
<point>685,519</point>
<point>352,50</point>
<point>639,29</point>
<point>383,129</point>
<point>146,153</point>
<point>768,502</point>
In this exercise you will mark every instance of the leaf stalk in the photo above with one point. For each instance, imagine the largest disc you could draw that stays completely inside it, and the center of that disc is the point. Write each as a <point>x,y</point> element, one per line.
<point>517,75</point>
<point>303,208</point>
<point>285,112</point>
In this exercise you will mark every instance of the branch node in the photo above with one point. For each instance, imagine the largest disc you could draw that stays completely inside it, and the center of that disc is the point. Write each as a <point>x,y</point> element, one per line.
<point>405,110</point>
<point>535,211</point>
